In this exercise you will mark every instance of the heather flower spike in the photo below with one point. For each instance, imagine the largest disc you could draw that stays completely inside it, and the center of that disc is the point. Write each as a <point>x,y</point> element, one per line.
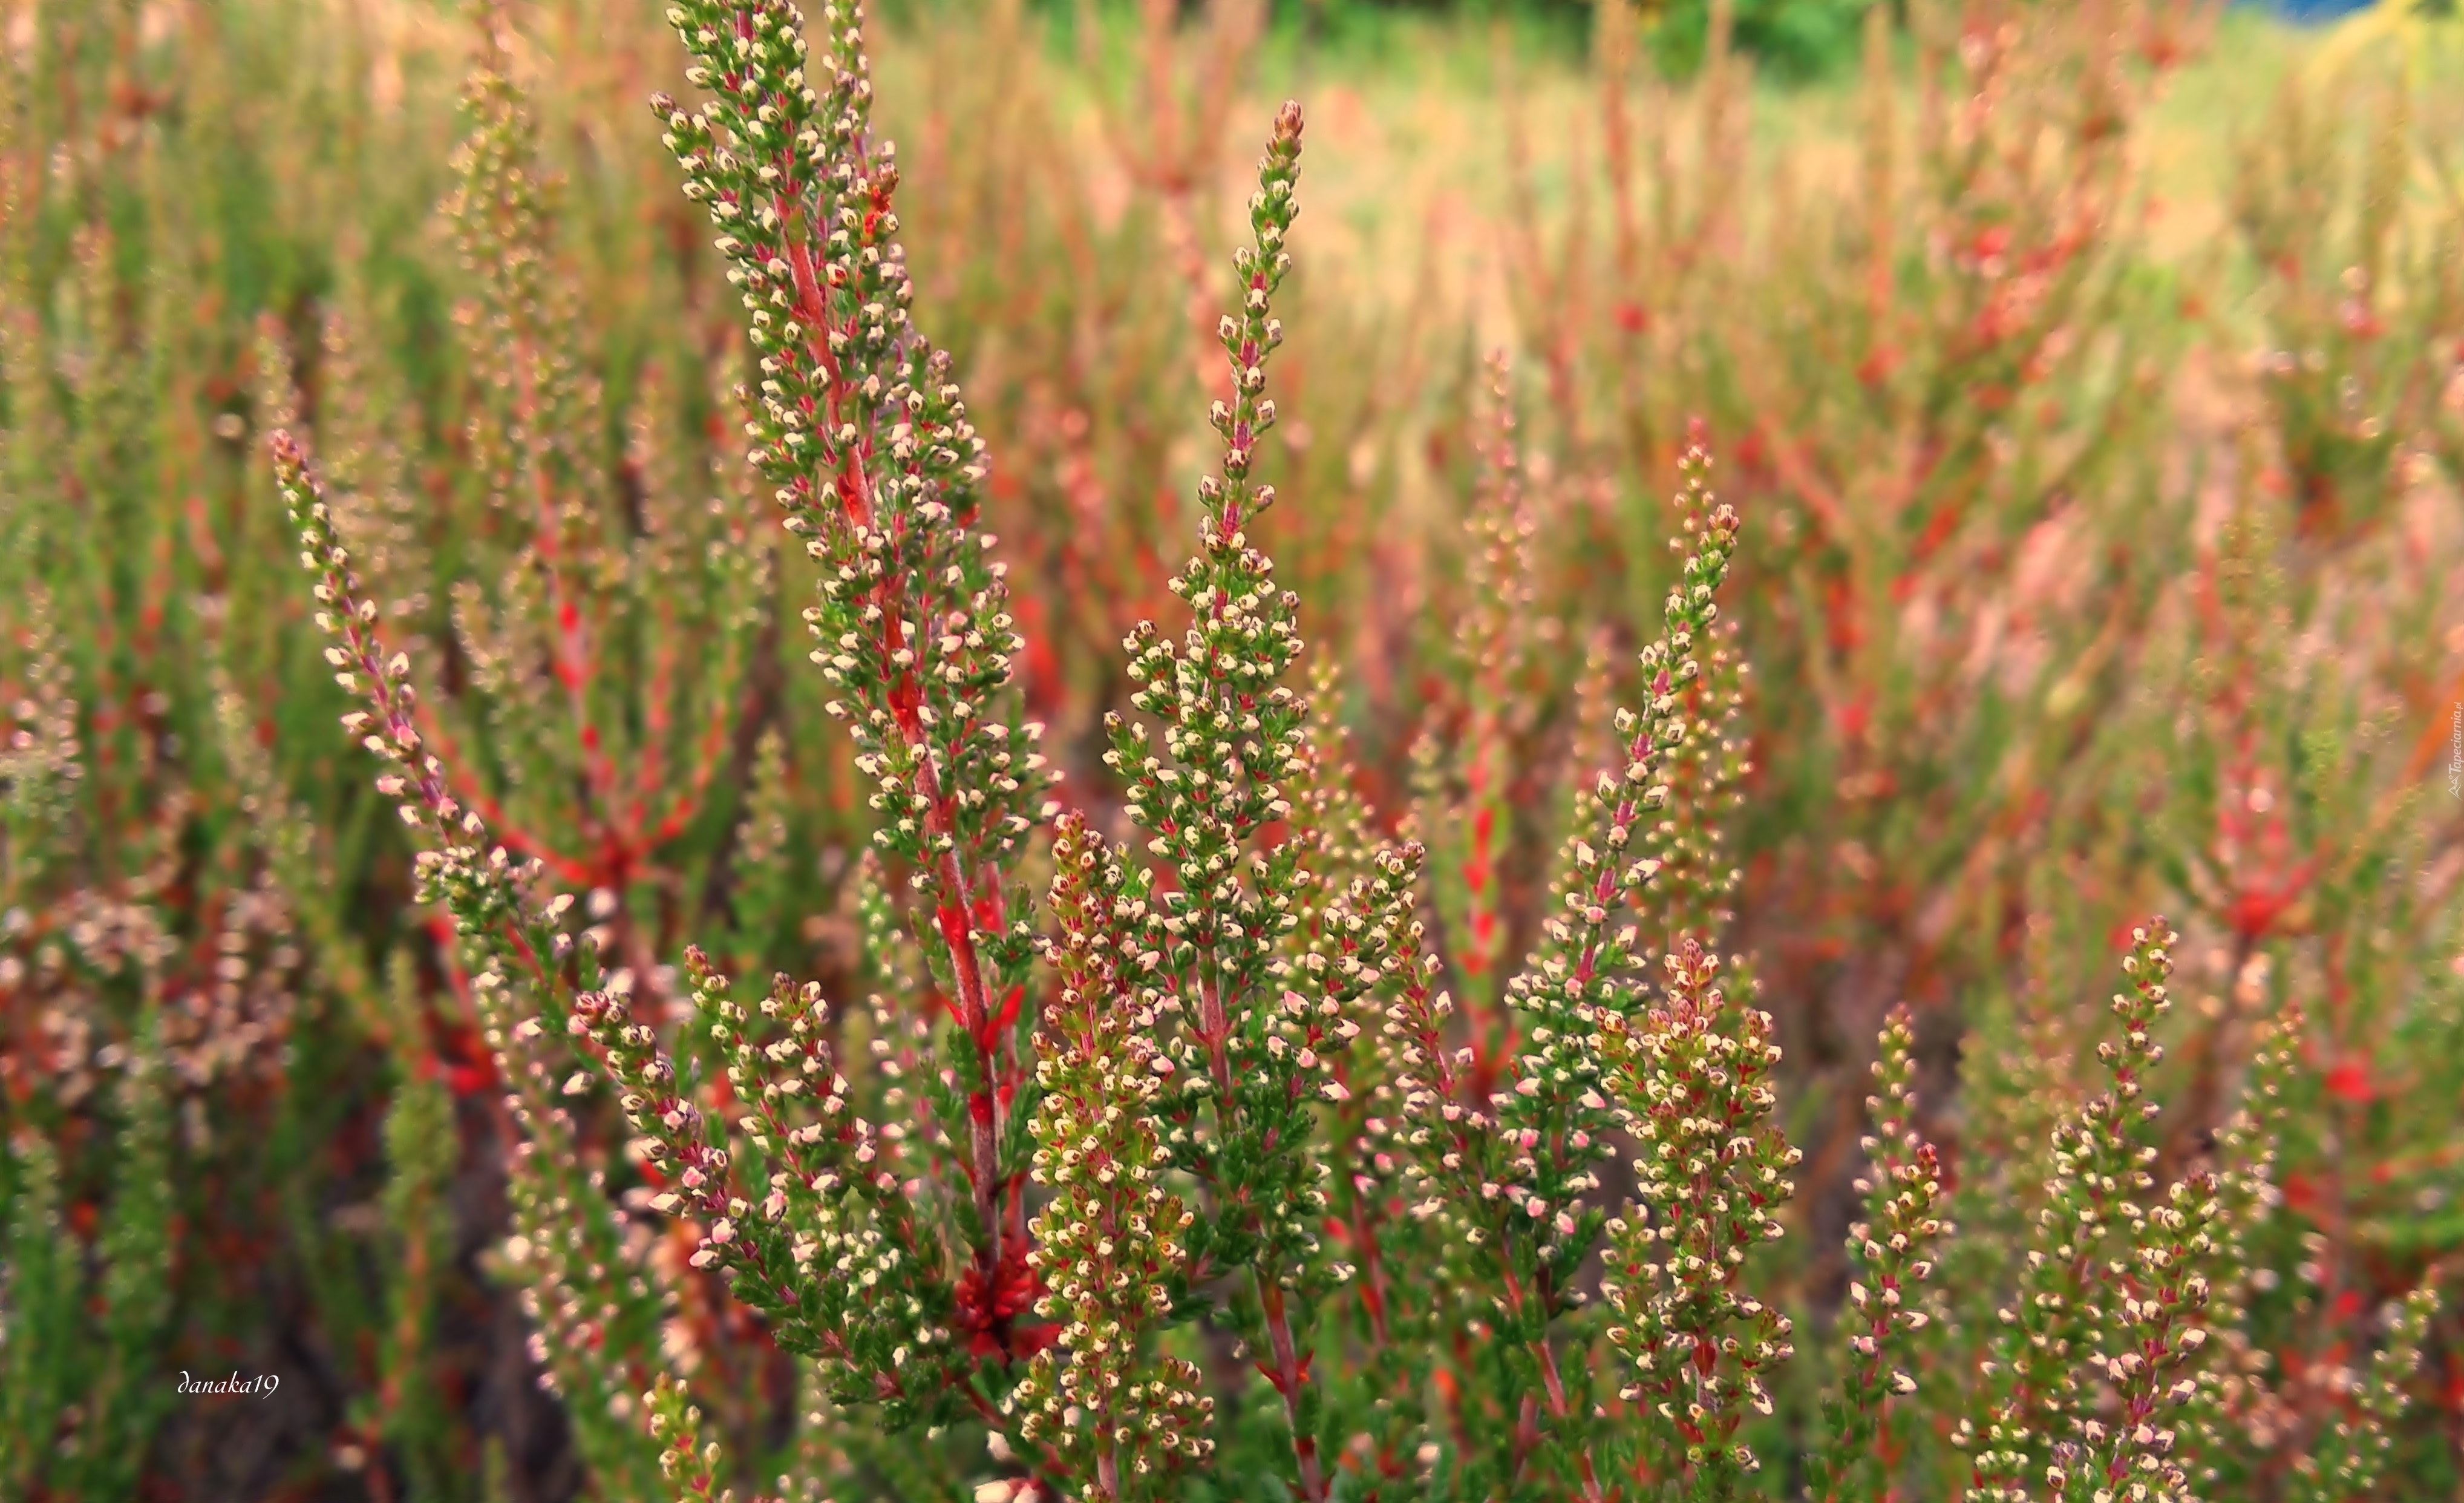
<point>482,892</point>
<point>859,428</point>
<point>1259,1003</point>
<point>1691,1078</point>
<point>1891,1255</point>
<point>2352,1455</point>
<point>1691,1073</point>
<point>1502,1171</point>
<point>2113,1292</point>
<point>1105,1242</point>
<point>515,954</point>
<point>1466,811</point>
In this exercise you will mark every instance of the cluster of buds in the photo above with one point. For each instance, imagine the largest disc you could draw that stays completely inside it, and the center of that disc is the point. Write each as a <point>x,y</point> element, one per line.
<point>1891,1253</point>
<point>857,425</point>
<point>1259,992</point>
<point>2352,1452</point>
<point>515,954</point>
<point>688,1463</point>
<point>819,1225</point>
<point>1105,1242</point>
<point>1589,975</point>
<point>1691,1080</point>
<point>2112,1294</point>
<point>2235,1390</point>
<point>2256,1394</point>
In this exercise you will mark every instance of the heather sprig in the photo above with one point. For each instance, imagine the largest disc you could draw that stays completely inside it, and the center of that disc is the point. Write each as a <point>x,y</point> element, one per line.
<point>423,1150</point>
<point>1398,1240</point>
<point>1260,1000</point>
<point>1691,1079</point>
<point>596,1309</point>
<point>576,661</point>
<point>2253,1400</point>
<point>2351,1453</point>
<point>1498,1157</point>
<point>1587,974</point>
<point>2248,1149</point>
<point>691,1463</point>
<point>1357,912</point>
<point>2113,1290</point>
<point>39,761</point>
<point>514,959</point>
<point>84,1313</point>
<point>1891,1255</point>
<point>2237,1397</point>
<point>814,1216</point>
<point>1466,805</point>
<point>39,1293</point>
<point>483,891</point>
<point>528,447</point>
<point>858,427</point>
<point>1105,1242</point>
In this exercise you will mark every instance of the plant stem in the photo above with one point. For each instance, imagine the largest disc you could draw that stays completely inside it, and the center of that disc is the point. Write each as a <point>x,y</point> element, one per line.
<point>1288,1380</point>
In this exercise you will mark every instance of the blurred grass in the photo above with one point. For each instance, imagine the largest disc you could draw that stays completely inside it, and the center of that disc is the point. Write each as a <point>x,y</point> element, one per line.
<point>1416,120</point>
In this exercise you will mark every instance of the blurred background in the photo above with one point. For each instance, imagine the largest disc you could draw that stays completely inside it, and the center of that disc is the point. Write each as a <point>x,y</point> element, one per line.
<point>2090,376</point>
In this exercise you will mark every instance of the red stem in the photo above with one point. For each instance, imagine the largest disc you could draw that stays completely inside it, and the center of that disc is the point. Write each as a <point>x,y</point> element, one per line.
<point>1287,1381</point>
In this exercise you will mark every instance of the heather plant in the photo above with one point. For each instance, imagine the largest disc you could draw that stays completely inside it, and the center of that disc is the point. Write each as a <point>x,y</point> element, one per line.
<point>1203,1009</point>
<point>1967,654</point>
<point>599,625</point>
<point>193,902</point>
<point>2272,769</point>
<point>482,1157</point>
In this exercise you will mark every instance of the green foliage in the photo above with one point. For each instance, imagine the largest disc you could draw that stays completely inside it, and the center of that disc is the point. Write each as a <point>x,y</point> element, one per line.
<point>1795,40</point>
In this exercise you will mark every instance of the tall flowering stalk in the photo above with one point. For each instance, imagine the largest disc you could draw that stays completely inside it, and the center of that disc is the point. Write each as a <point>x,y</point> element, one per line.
<point>597,1337</point>
<point>1504,1173</point>
<point>2353,1449</point>
<point>1693,1079</point>
<point>856,425</point>
<point>1105,1240</point>
<point>1476,761</point>
<point>2113,1291</point>
<point>1591,1026</point>
<point>1891,1253</point>
<point>1258,1000</point>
